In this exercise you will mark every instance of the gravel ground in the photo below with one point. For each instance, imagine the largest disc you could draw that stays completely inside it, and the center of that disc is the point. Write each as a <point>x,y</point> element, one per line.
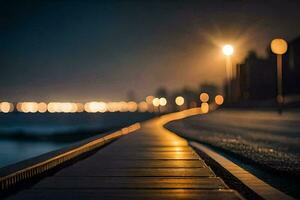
<point>260,136</point>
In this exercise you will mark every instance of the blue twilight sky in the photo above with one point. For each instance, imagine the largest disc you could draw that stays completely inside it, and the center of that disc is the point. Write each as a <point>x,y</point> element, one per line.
<point>100,50</point>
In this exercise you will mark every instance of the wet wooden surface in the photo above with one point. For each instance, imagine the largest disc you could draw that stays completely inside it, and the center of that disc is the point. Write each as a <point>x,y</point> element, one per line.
<point>151,163</point>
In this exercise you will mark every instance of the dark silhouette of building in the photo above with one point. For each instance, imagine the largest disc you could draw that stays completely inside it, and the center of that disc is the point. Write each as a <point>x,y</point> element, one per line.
<point>256,78</point>
<point>291,72</point>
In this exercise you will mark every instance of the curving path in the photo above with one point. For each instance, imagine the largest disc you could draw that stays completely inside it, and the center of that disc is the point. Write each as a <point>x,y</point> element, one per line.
<point>150,163</point>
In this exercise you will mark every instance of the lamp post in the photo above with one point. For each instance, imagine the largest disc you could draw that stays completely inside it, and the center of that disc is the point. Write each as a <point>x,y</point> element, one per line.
<point>279,47</point>
<point>228,51</point>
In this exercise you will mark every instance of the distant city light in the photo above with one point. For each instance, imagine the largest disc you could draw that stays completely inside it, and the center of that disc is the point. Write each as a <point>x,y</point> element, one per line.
<point>28,107</point>
<point>204,97</point>
<point>179,101</point>
<point>228,50</point>
<point>143,106</point>
<point>219,99</point>
<point>93,107</point>
<point>149,99</point>
<point>6,107</point>
<point>156,102</point>
<point>113,107</point>
<point>162,101</point>
<point>90,107</point>
<point>80,107</point>
<point>42,107</point>
<point>132,106</point>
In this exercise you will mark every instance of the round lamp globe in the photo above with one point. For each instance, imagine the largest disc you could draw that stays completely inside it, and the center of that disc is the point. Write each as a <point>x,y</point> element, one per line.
<point>279,46</point>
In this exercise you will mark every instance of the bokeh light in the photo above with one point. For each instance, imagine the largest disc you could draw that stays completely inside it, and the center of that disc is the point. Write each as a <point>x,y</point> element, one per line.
<point>149,99</point>
<point>143,106</point>
<point>156,102</point>
<point>42,107</point>
<point>179,101</point>
<point>219,99</point>
<point>132,106</point>
<point>6,107</point>
<point>94,107</point>
<point>204,97</point>
<point>228,50</point>
<point>163,101</point>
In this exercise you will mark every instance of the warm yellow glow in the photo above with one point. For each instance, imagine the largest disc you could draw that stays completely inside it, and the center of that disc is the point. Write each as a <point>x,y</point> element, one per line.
<point>19,107</point>
<point>149,99</point>
<point>6,107</point>
<point>123,106</point>
<point>219,99</point>
<point>42,107</point>
<point>143,106</point>
<point>51,107</point>
<point>132,106</point>
<point>58,107</point>
<point>279,46</point>
<point>179,101</point>
<point>204,97</point>
<point>156,102</point>
<point>102,107</point>
<point>112,106</point>
<point>228,50</point>
<point>80,107</point>
<point>29,107</point>
<point>204,107</point>
<point>67,107</point>
<point>93,107</point>
<point>162,101</point>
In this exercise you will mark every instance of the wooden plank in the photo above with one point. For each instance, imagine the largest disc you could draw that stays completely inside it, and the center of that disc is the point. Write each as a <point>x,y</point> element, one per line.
<point>130,183</point>
<point>154,172</point>
<point>150,155</point>
<point>140,164</point>
<point>174,194</point>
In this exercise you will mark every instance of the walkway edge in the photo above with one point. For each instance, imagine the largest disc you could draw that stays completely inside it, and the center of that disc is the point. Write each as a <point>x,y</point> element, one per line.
<point>260,187</point>
<point>11,179</point>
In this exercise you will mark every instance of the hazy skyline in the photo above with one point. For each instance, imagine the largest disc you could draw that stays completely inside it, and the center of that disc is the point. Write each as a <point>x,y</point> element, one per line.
<point>87,50</point>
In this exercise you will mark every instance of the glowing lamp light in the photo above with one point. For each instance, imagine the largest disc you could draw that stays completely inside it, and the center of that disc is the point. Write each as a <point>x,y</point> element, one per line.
<point>132,106</point>
<point>204,97</point>
<point>228,50</point>
<point>6,107</point>
<point>162,101</point>
<point>42,107</point>
<point>179,101</point>
<point>219,100</point>
<point>143,106</point>
<point>279,46</point>
<point>93,107</point>
<point>156,102</point>
<point>149,99</point>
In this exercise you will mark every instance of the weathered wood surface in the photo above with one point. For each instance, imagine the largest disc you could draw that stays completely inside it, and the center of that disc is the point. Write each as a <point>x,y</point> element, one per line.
<point>151,163</point>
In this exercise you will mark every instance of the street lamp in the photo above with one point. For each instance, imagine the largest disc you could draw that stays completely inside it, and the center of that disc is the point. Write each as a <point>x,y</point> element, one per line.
<point>279,47</point>
<point>228,51</point>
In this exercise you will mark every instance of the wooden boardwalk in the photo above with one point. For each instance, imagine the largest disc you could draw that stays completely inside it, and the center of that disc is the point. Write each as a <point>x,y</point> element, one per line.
<point>151,163</point>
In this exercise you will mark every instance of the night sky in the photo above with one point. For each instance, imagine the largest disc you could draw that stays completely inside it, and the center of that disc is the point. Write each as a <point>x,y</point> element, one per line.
<point>100,50</point>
